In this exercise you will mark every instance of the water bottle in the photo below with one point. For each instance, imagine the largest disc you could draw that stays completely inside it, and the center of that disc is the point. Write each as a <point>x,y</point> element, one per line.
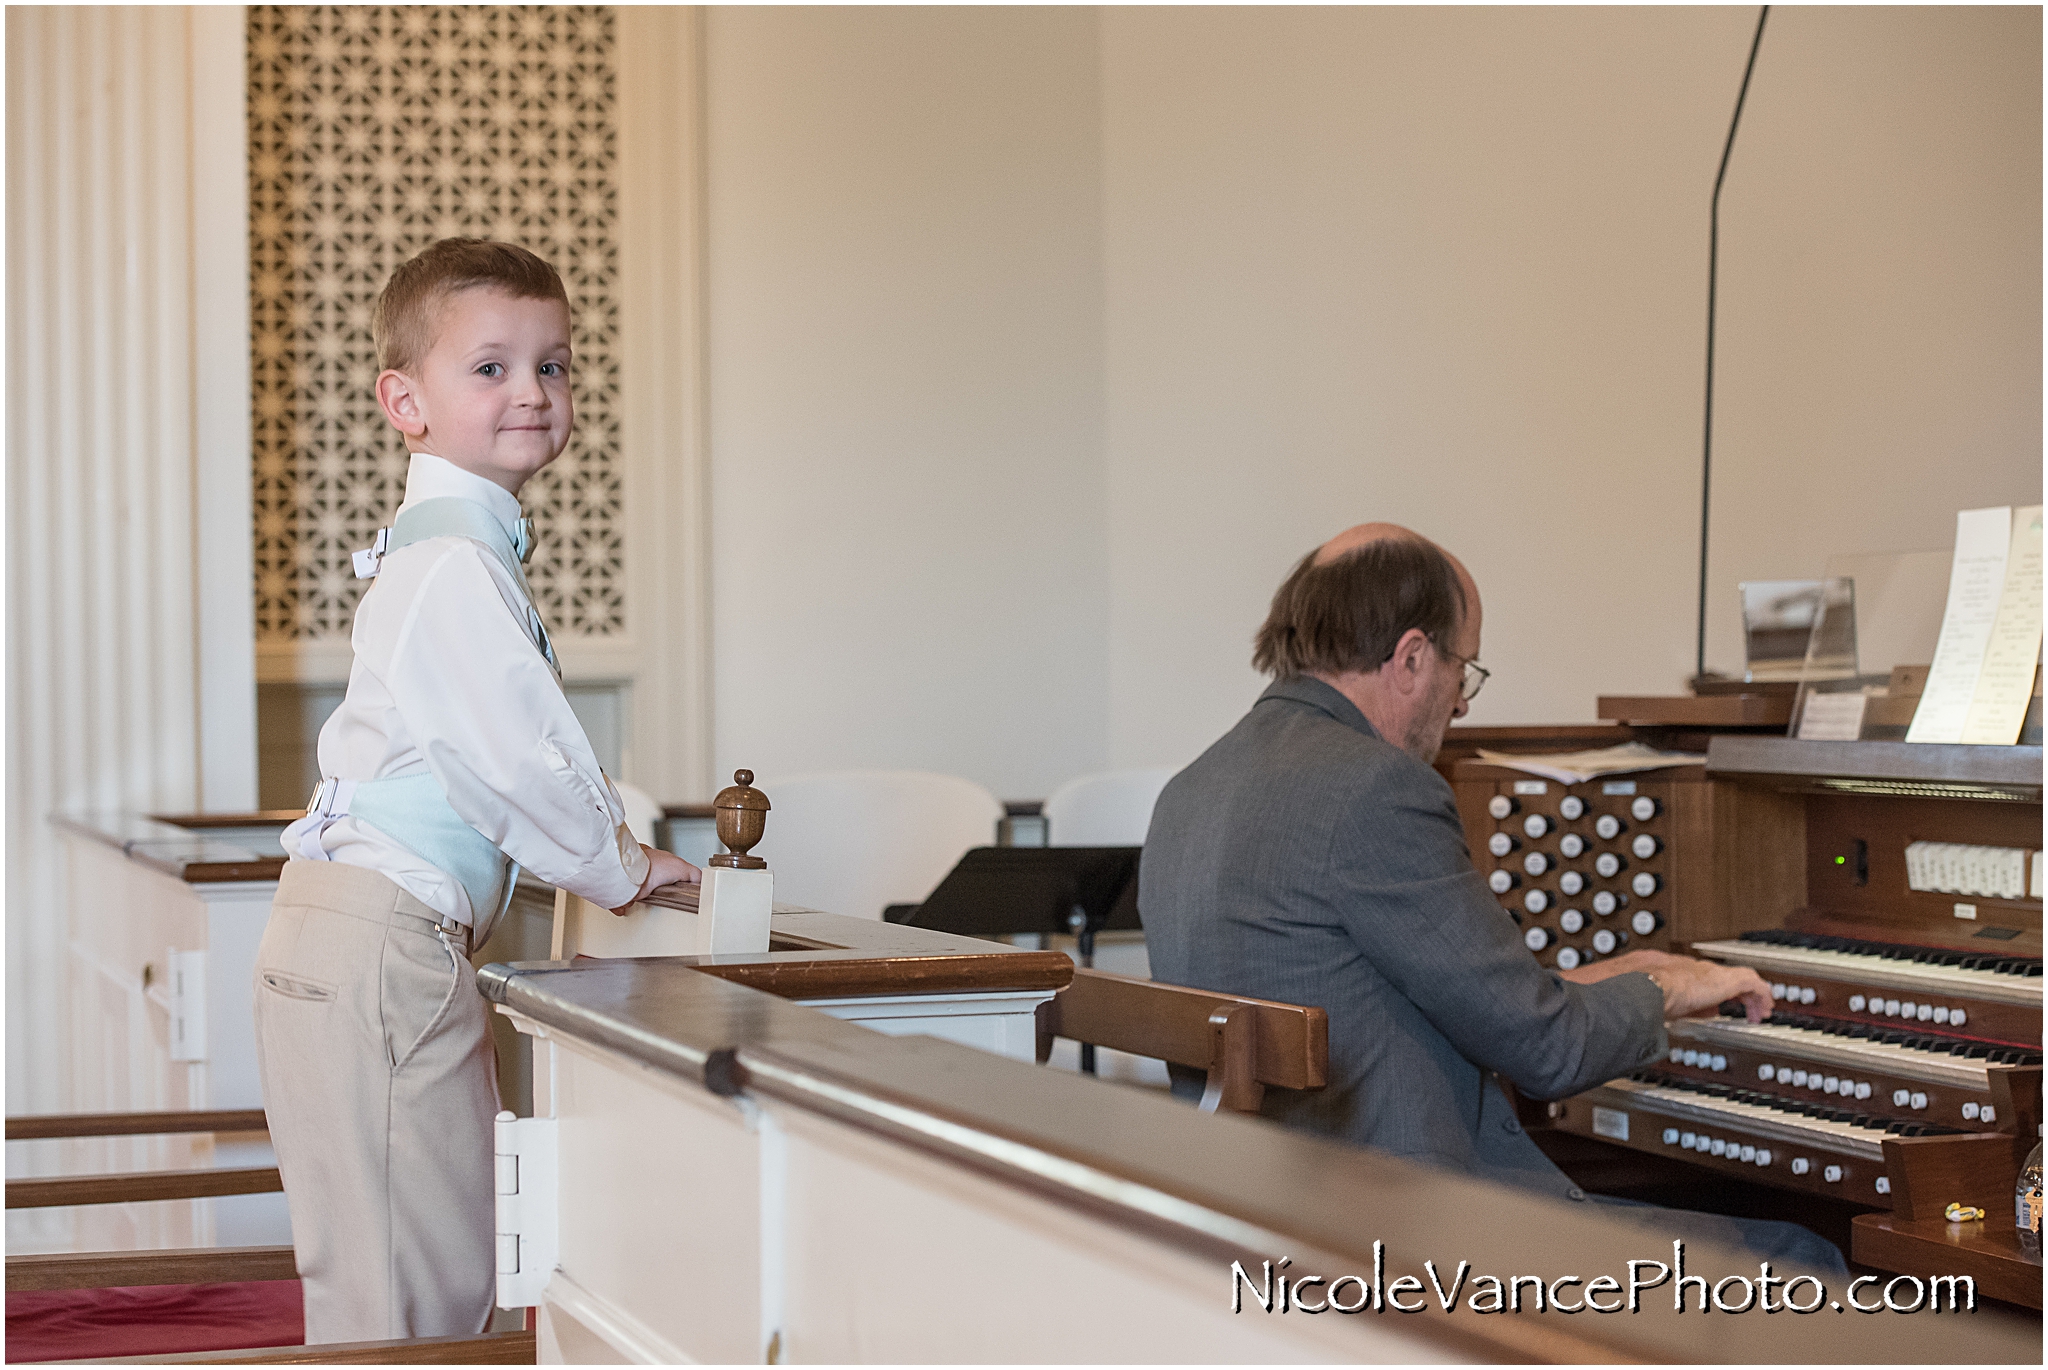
<point>2026,1202</point>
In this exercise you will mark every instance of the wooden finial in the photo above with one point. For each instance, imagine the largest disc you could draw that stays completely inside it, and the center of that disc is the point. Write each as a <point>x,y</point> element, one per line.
<point>742,819</point>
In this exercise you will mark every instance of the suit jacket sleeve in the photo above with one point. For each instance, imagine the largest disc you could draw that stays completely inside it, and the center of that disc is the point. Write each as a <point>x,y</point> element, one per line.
<point>1405,889</point>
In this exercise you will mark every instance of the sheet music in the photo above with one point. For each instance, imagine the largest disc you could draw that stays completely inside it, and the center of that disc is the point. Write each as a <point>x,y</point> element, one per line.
<point>1976,582</point>
<point>2006,682</point>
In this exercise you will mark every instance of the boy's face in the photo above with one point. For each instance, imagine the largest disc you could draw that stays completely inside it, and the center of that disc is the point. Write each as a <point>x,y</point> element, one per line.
<point>492,392</point>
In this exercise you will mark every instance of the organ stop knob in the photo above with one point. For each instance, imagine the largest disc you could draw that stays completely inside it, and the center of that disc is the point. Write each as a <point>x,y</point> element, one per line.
<point>1571,808</point>
<point>1607,827</point>
<point>1501,843</point>
<point>1535,825</point>
<point>1501,806</point>
<point>1571,846</point>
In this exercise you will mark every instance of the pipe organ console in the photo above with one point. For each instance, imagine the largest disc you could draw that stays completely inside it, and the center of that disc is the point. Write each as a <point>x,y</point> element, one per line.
<point>1901,1067</point>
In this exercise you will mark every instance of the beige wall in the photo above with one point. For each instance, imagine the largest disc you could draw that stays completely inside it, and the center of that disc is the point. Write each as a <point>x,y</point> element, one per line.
<point>1042,342</point>
<point>905,392</point>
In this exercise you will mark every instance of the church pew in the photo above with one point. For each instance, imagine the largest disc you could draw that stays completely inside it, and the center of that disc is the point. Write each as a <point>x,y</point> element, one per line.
<point>144,1186</point>
<point>138,1186</point>
<point>492,1348</point>
<point>186,1265</point>
<point>40,1126</point>
<point>1244,1044</point>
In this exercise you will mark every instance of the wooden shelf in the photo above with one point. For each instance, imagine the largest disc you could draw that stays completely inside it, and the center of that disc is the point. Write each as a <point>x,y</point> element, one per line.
<point>2013,769</point>
<point>1698,711</point>
<point>1987,1251</point>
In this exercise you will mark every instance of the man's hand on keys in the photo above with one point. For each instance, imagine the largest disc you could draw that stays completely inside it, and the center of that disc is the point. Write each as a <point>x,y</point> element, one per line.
<point>1691,987</point>
<point>663,868</point>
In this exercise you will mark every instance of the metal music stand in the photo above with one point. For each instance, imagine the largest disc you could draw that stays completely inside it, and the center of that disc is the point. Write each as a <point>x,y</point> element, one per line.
<point>1003,891</point>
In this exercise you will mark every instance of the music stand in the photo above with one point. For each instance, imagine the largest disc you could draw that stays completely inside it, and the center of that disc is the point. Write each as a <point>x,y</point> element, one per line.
<point>1001,891</point>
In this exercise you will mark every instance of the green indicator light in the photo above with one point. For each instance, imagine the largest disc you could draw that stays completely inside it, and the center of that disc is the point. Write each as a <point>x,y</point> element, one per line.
<point>1841,860</point>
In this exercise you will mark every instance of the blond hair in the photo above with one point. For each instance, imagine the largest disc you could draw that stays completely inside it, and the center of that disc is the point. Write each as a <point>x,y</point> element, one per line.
<point>406,314</point>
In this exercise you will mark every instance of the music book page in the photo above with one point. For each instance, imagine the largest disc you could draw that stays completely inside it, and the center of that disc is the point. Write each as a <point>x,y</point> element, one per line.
<point>1975,585</point>
<point>2006,683</point>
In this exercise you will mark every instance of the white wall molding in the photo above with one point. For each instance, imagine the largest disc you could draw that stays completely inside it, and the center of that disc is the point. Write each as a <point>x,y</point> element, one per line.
<point>662,406</point>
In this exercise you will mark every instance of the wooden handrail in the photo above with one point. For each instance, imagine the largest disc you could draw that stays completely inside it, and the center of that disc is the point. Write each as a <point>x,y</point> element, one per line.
<point>143,1186</point>
<point>493,1348</point>
<point>180,1265</point>
<point>35,1126</point>
<point>1245,1044</point>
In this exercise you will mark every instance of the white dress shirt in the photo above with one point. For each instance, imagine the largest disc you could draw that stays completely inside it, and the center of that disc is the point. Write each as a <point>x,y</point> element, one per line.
<point>447,680</point>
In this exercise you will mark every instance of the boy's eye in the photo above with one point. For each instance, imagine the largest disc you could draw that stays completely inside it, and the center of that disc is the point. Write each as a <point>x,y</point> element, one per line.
<point>491,369</point>
<point>554,369</point>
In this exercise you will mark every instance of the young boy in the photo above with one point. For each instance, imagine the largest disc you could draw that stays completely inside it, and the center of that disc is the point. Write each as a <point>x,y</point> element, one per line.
<point>453,757</point>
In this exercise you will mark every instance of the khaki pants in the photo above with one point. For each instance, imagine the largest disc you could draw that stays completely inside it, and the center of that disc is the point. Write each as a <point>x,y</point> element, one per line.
<point>379,1081</point>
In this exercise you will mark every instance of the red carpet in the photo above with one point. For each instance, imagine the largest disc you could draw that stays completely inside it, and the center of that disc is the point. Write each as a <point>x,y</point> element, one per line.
<point>150,1319</point>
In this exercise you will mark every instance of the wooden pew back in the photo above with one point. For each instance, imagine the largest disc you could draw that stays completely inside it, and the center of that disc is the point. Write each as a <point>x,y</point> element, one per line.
<point>1246,1045</point>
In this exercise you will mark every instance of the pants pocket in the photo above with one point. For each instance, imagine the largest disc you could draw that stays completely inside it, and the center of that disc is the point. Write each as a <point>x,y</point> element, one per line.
<point>296,986</point>
<point>409,983</point>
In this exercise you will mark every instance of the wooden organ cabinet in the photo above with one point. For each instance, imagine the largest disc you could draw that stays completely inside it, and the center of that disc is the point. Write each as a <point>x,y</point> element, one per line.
<point>1901,1068</point>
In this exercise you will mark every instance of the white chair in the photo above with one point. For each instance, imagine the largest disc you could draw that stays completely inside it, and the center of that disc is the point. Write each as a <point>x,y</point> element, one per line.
<point>1107,809</point>
<point>643,815</point>
<point>853,842</point>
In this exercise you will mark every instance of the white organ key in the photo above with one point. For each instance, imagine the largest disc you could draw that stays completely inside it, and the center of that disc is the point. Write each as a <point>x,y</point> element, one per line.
<point>1928,1067</point>
<point>1877,970</point>
<point>1765,1122</point>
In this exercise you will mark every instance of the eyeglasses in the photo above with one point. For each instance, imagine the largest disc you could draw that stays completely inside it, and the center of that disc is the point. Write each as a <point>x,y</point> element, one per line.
<point>1475,674</point>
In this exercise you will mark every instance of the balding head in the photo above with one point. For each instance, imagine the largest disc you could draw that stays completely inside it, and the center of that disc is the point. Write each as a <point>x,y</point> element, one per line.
<point>1353,538</point>
<point>1346,604</point>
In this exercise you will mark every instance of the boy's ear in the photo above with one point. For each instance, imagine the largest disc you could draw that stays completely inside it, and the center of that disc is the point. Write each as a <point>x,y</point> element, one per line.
<point>401,403</point>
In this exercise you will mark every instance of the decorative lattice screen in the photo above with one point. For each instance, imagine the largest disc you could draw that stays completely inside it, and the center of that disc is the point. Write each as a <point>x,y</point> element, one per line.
<point>372,132</point>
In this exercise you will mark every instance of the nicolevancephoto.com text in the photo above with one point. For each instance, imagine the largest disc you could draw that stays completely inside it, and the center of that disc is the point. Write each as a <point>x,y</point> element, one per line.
<point>1274,1288</point>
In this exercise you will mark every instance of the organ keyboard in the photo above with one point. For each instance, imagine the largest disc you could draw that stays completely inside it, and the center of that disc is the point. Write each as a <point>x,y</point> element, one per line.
<point>1901,1066</point>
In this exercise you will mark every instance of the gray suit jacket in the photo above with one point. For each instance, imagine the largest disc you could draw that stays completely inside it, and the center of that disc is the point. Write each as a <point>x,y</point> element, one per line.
<point>1302,858</point>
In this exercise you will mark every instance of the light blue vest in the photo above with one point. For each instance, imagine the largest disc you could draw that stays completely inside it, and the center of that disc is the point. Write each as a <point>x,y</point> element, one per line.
<point>414,809</point>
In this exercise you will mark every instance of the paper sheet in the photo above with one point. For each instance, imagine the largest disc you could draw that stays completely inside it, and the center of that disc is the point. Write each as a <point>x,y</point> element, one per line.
<point>1999,704</point>
<point>1832,717</point>
<point>1576,768</point>
<point>1975,585</point>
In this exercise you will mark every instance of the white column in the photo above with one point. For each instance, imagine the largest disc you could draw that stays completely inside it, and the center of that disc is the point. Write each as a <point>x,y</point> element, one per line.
<point>130,677</point>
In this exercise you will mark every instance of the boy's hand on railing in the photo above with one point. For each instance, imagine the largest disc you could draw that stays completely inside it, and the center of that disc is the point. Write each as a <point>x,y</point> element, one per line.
<point>663,868</point>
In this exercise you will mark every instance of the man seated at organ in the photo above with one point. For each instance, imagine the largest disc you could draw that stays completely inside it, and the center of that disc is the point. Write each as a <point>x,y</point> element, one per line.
<point>1312,855</point>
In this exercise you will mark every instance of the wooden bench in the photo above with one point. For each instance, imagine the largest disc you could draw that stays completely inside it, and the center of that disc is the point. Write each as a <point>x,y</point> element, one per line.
<point>1246,1045</point>
<point>203,1265</point>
